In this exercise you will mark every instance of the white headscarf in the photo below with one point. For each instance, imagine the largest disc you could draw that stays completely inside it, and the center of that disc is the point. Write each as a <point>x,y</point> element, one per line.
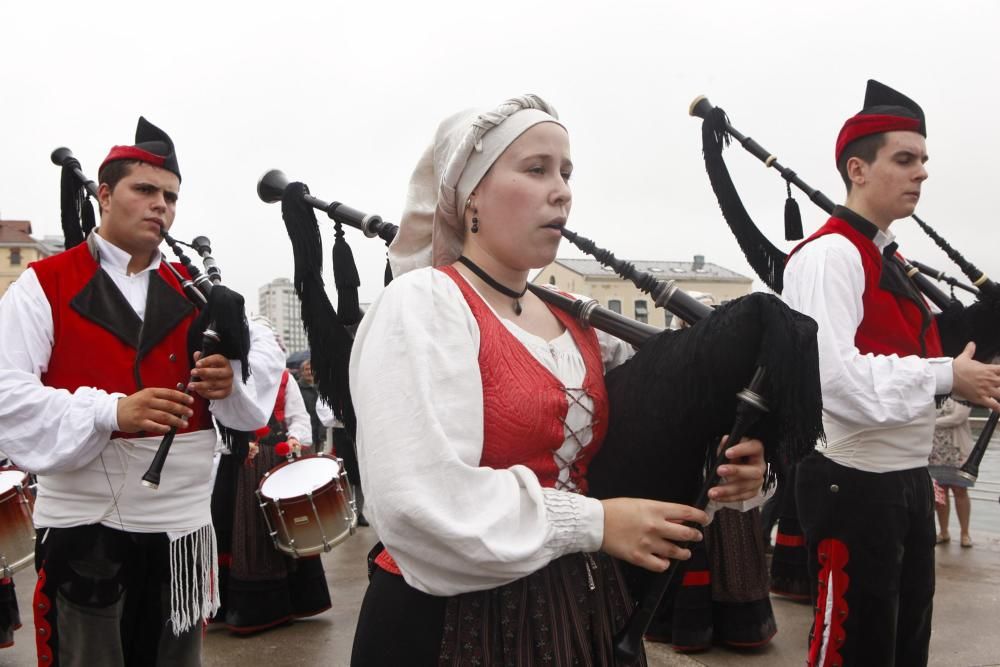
<point>465,146</point>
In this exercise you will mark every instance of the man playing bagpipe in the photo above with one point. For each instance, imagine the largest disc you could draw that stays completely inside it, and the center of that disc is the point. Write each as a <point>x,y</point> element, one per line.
<point>865,498</point>
<point>94,360</point>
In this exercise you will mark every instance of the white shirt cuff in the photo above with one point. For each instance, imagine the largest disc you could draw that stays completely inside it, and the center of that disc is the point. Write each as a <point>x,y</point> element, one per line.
<point>593,523</point>
<point>944,375</point>
<point>578,521</point>
<point>106,418</point>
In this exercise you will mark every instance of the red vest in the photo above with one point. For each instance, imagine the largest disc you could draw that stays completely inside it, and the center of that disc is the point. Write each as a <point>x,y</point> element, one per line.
<point>99,340</point>
<point>891,324</point>
<point>524,405</point>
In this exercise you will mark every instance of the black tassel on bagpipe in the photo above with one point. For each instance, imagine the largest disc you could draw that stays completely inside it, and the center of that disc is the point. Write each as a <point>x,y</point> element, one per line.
<point>764,257</point>
<point>345,278</point>
<point>793,218</point>
<point>76,211</point>
<point>329,340</point>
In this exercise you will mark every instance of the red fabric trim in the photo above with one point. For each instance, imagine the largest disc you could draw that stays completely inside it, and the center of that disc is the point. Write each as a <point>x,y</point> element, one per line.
<point>863,125</point>
<point>132,153</point>
<point>279,402</point>
<point>43,631</point>
<point>833,582</point>
<point>386,562</point>
<point>697,578</point>
<point>789,540</point>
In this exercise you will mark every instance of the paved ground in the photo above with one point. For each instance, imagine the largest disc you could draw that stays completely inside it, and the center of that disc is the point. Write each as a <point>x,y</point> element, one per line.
<point>965,620</point>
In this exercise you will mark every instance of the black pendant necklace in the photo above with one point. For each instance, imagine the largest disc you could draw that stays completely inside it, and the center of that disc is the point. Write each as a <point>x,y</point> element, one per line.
<point>486,278</point>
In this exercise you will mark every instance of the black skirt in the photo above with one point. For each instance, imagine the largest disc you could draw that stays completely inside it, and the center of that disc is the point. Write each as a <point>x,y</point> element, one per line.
<point>567,613</point>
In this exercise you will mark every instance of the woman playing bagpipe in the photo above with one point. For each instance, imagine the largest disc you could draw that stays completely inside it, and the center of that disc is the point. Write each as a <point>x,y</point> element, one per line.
<point>479,410</point>
<point>261,587</point>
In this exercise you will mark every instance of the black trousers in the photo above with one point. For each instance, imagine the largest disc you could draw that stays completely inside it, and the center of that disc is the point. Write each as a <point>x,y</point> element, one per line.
<point>871,549</point>
<point>103,598</point>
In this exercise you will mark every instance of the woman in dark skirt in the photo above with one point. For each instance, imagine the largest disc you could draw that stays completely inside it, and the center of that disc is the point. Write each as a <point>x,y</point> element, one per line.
<point>479,409</point>
<point>260,586</point>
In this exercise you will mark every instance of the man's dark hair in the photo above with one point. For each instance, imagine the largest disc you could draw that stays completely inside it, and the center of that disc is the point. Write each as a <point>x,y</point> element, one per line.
<point>864,148</point>
<point>115,171</point>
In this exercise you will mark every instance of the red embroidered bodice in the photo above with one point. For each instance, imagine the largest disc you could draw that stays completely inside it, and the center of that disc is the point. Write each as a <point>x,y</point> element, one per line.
<point>525,405</point>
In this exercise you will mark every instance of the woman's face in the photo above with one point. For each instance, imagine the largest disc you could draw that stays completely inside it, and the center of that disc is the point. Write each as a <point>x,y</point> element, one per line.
<point>523,201</point>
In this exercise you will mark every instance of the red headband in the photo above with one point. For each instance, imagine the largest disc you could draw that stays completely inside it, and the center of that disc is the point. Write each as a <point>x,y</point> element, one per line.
<point>133,153</point>
<point>863,125</point>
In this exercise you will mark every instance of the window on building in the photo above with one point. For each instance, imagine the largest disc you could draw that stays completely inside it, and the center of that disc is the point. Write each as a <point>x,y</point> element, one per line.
<point>15,256</point>
<point>615,305</point>
<point>641,312</point>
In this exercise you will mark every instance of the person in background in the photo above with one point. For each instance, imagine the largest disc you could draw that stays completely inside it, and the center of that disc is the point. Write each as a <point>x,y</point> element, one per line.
<point>261,587</point>
<point>310,397</point>
<point>952,445</point>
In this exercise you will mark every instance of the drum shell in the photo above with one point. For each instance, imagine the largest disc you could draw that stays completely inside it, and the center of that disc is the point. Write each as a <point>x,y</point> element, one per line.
<point>313,522</point>
<point>17,531</point>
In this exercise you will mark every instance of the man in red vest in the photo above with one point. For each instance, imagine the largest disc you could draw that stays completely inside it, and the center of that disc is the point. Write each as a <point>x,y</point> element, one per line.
<point>865,499</point>
<point>94,368</point>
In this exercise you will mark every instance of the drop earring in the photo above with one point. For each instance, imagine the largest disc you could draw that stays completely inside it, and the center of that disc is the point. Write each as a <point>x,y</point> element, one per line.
<point>475,221</point>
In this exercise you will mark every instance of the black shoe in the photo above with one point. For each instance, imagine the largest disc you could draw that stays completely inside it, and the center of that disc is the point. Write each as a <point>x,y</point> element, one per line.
<point>362,521</point>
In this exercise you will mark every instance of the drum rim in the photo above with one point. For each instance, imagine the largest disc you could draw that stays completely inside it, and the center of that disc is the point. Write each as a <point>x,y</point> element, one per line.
<point>6,493</point>
<point>267,475</point>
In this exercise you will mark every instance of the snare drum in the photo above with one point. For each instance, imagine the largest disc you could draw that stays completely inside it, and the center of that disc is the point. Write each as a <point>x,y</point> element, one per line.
<point>308,505</point>
<point>17,533</point>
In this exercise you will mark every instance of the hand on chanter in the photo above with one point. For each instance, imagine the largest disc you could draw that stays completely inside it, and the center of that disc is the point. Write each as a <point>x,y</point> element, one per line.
<point>646,532</point>
<point>154,410</point>
<point>742,472</point>
<point>211,377</point>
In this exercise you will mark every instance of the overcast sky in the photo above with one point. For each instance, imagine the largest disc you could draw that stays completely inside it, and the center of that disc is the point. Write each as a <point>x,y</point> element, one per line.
<point>344,96</point>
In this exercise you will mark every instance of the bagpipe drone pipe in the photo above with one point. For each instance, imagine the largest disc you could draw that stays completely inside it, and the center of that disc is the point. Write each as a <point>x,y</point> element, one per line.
<point>958,324</point>
<point>220,326</point>
<point>670,403</point>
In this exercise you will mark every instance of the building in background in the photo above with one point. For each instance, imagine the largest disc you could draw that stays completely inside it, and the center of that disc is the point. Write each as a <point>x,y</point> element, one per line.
<point>587,277</point>
<point>18,249</point>
<point>279,304</point>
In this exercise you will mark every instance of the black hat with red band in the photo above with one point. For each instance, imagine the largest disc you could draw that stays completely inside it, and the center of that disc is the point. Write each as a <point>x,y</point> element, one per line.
<point>152,146</point>
<point>885,110</point>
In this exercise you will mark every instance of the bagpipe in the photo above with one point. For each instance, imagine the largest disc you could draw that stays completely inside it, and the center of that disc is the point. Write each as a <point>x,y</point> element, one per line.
<point>958,324</point>
<point>219,328</point>
<point>669,404</point>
